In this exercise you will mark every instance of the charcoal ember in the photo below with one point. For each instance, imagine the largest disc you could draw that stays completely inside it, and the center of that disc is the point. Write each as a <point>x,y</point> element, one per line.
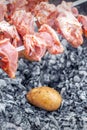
<point>77,78</point>
<point>2,83</point>
<point>26,72</point>
<point>2,108</point>
<point>73,57</point>
<point>1,71</point>
<point>14,114</point>
<point>82,95</point>
<point>36,71</point>
<point>22,65</point>
<point>25,124</point>
<point>45,78</point>
<point>8,126</point>
<point>17,119</point>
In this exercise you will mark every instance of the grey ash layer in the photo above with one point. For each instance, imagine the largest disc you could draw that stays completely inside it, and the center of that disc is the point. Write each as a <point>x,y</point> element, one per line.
<point>67,73</point>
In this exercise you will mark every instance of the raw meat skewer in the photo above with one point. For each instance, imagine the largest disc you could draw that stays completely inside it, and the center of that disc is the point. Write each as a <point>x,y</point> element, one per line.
<point>78,2</point>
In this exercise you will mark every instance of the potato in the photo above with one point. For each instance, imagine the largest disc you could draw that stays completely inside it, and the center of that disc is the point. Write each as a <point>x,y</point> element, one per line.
<point>44,97</point>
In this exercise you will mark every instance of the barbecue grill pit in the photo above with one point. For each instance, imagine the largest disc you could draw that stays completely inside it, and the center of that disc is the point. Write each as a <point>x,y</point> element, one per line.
<point>67,73</point>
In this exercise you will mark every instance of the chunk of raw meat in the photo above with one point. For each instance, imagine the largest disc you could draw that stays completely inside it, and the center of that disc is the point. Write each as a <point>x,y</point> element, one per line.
<point>9,31</point>
<point>24,22</point>
<point>83,20</point>
<point>51,38</point>
<point>42,11</point>
<point>35,47</point>
<point>8,57</point>
<point>69,26</point>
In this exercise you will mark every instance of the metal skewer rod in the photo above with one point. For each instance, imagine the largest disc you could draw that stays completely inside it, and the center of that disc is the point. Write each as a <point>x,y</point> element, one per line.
<point>78,2</point>
<point>20,48</point>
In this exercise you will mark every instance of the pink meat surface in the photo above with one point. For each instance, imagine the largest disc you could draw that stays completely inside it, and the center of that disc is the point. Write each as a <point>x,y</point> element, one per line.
<point>35,47</point>
<point>51,38</point>
<point>69,26</point>
<point>83,20</point>
<point>42,11</point>
<point>8,57</point>
<point>24,22</point>
<point>32,4</point>
<point>14,5</point>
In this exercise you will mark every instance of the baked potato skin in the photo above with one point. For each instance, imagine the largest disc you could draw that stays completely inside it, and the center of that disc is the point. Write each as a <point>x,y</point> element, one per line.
<point>44,97</point>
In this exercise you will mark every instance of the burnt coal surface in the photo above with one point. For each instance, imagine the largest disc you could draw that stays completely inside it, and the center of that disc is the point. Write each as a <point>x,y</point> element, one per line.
<point>67,73</point>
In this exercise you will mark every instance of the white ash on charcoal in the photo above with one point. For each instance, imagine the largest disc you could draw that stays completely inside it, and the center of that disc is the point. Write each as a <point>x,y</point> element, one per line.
<point>10,126</point>
<point>17,113</point>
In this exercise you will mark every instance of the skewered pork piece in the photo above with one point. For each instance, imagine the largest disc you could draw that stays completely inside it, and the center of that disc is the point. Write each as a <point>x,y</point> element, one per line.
<point>3,11</point>
<point>23,21</point>
<point>70,28</point>
<point>63,19</point>
<point>51,38</point>
<point>42,11</point>
<point>9,31</point>
<point>8,57</point>
<point>26,26</point>
<point>83,20</point>
<point>14,5</point>
<point>37,44</point>
<point>35,47</point>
